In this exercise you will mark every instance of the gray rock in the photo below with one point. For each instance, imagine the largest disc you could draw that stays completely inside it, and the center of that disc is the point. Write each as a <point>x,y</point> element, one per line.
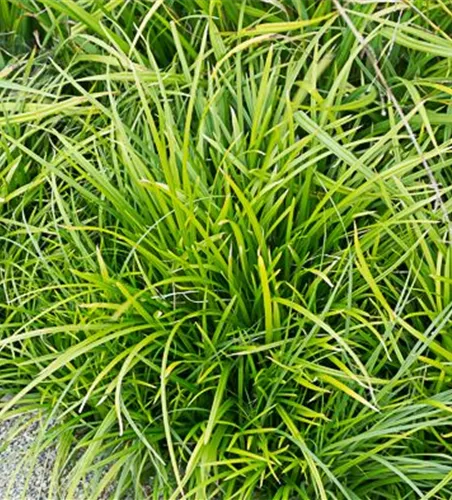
<point>21,475</point>
<point>26,471</point>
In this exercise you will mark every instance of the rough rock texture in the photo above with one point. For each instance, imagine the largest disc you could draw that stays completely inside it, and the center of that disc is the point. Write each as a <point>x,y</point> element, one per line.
<point>22,479</point>
<point>17,479</point>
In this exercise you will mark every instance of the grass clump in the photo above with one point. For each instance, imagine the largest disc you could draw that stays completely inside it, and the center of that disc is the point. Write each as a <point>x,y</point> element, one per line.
<point>225,257</point>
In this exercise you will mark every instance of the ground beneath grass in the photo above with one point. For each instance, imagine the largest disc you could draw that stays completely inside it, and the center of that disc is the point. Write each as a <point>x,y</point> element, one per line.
<point>35,486</point>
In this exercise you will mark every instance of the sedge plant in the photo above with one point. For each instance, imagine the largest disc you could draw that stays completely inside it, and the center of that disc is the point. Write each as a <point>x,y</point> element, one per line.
<point>225,246</point>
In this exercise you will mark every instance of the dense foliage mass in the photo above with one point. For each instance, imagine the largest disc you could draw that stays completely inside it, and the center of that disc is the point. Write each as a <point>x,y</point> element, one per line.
<point>225,258</point>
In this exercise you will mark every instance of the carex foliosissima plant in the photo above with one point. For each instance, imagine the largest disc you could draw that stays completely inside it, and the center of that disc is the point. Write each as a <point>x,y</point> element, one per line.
<point>225,257</point>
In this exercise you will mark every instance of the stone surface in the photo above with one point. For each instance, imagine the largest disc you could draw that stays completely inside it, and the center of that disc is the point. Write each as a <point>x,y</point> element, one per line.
<point>18,480</point>
<point>26,474</point>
